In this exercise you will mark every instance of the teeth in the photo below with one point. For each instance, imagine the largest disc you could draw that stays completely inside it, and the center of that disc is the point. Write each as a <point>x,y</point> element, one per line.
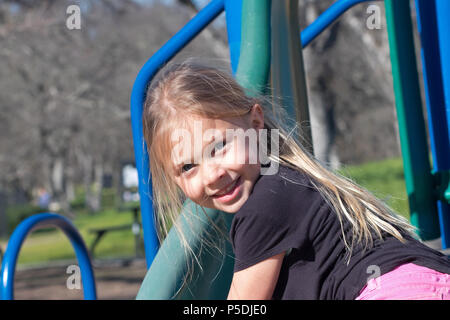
<point>227,189</point>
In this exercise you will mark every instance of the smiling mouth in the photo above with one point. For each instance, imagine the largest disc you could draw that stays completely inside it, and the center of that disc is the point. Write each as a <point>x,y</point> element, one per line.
<point>228,190</point>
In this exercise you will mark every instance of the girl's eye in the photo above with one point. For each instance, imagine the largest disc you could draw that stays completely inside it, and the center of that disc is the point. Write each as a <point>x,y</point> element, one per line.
<point>187,167</point>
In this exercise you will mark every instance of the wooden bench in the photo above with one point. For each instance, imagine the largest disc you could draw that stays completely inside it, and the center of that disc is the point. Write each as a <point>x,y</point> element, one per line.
<point>100,232</point>
<point>134,227</point>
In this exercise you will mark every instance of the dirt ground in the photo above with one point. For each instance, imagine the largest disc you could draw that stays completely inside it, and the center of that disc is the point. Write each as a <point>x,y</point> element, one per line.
<point>115,279</point>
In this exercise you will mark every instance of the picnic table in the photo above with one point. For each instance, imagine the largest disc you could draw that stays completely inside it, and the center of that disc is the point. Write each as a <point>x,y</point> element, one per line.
<point>134,227</point>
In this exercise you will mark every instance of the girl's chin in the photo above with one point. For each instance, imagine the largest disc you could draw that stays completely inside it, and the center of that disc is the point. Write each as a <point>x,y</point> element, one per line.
<point>231,208</point>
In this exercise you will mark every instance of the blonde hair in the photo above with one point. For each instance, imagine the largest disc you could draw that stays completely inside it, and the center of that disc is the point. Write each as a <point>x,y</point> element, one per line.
<point>189,88</point>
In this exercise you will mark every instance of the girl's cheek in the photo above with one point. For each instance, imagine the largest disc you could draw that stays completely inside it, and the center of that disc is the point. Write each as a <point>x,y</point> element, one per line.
<point>240,152</point>
<point>232,158</point>
<point>194,190</point>
<point>248,153</point>
<point>187,189</point>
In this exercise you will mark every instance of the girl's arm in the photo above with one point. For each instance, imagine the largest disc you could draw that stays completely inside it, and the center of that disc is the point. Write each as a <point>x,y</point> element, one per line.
<point>258,281</point>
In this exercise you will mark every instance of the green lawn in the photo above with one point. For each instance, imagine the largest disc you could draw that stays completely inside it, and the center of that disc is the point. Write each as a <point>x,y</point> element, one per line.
<point>385,179</point>
<point>52,244</point>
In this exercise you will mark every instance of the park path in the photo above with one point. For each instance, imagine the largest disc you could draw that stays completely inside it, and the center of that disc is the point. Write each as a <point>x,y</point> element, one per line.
<point>115,280</point>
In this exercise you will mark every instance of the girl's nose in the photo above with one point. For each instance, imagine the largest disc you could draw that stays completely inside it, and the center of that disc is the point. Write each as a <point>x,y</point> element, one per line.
<point>212,174</point>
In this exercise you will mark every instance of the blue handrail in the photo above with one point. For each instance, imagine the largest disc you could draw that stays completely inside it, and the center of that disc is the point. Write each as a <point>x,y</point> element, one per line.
<point>17,239</point>
<point>156,62</point>
<point>326,19</point>
<point>150,68</point>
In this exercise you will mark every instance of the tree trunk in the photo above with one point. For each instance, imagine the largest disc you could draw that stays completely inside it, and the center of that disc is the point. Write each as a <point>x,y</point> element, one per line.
<point>96,197</point>
<point>87,179</point>
<point>58,177</point>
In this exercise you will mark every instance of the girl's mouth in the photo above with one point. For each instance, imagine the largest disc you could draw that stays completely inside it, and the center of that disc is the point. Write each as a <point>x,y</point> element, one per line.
<point>231,193</point>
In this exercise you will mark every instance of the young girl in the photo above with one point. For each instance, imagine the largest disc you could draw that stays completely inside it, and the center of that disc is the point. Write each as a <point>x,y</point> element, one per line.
<point>299,231</point>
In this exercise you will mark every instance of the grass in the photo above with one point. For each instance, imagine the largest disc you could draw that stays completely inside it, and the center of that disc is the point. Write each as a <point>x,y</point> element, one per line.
<point>52,244</point>
<point>384,179</point>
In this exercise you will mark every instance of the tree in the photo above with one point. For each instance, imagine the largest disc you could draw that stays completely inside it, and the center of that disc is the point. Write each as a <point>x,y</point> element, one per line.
<point>64,94</point>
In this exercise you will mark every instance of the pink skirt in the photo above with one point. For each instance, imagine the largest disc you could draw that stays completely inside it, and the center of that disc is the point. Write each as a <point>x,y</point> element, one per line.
<point>408,282</point>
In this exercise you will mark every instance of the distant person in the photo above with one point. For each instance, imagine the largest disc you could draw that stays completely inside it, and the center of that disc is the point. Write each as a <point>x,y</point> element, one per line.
<point>300,231</point>
<point>44,198</point>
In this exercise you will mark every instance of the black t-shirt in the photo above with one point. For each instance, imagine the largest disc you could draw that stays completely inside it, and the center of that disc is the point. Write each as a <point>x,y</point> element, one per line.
<point>285,213</point>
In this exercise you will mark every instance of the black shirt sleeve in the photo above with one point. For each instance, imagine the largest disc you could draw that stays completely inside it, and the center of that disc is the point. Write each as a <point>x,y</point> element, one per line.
<point>257,237</point>
<point>270,223</point>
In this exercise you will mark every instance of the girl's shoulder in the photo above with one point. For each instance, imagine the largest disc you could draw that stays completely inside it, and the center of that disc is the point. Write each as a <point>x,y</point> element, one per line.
<point>287,190</point>
<point>285,181</point>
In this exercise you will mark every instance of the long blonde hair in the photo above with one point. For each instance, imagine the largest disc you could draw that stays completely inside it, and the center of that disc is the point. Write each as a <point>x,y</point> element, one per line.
<point>193,89</point>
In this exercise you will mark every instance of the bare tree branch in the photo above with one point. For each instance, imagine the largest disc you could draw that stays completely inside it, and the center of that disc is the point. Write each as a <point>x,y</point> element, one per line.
<point>190,4</point>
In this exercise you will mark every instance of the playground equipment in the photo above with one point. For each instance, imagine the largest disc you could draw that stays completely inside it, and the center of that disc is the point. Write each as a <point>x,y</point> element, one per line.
<point>263,40</point>
<point>19,235</point>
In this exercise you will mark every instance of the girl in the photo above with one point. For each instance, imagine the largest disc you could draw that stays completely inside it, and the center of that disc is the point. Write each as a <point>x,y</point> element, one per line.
<point>299,231</point>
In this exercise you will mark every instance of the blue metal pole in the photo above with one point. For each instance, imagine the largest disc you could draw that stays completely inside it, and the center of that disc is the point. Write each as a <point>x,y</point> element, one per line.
<point>17,239</point>
<point>147,72</point>
<point>443,24</point>
<point>434,30</point>
<point>326,19</point>
<point>233,11</point>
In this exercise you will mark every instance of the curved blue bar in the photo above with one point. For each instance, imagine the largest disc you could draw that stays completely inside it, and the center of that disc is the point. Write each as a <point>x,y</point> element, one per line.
<point>17,239</point>
<point>326,19</point>
<point>147,72</point>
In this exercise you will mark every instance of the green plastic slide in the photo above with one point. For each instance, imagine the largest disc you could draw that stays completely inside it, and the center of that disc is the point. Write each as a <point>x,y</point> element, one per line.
<point>210,277</point>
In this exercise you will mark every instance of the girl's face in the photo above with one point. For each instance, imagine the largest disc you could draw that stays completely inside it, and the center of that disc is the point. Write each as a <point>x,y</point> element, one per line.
<point>215,161</point>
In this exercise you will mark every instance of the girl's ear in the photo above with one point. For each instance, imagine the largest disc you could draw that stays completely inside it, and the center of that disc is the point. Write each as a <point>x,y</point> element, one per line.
<point>257,117</point>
